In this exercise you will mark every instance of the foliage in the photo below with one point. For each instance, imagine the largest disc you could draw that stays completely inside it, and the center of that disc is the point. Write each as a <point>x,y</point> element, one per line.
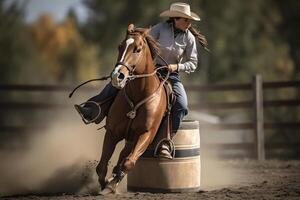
<point>62,49</point>
<point>107,24</point>
<point>55,51</point>
<point>244,37</point>
<point>15,46</point>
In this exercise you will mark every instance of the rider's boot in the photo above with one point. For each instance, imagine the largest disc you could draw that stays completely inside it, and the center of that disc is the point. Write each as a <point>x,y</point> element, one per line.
<point>90,114</point>
<point>85,112</point>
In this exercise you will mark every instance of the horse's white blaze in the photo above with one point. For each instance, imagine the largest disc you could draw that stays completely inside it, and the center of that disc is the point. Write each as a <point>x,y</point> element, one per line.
<point>128,42</point>
<point>116,70</point>
<point>116,82</point>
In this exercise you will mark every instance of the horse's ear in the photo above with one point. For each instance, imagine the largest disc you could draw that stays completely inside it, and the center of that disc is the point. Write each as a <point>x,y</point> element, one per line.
<point>130,28</point>
<point>146,31</point>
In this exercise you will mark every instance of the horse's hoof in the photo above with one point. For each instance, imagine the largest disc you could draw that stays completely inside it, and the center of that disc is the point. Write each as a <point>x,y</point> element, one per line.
<point>107,191</point>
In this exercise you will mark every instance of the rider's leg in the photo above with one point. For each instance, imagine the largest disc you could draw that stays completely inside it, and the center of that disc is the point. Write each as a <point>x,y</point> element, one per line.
<point>178,111</point>
<point>180,108</point>
<point>107,92</point>
<point>89,112</point>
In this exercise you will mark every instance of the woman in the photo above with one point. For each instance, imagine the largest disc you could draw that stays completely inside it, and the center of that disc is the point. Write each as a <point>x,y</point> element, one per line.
<point>177,39</point>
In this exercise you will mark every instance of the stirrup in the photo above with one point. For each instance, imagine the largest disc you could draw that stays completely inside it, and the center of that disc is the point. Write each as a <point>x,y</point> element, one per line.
<point>167,152</point>
<point>87,121</point>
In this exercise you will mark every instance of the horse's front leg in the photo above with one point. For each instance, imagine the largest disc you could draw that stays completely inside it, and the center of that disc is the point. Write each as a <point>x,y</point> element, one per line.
<point>123,154</point>
<point>108,148</point>
<point>132,152</point>
<point>142,143</point>
<point>118,173</point>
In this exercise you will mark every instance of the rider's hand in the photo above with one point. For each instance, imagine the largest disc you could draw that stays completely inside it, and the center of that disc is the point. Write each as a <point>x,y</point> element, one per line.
<point>173,67</point>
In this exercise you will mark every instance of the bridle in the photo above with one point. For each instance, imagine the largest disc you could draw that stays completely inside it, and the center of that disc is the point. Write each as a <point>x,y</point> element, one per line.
<point>133,76</point>
<point>131,67</point>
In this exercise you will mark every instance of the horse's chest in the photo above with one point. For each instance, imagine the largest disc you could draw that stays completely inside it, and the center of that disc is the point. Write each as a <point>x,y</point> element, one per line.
<point>146,117</point>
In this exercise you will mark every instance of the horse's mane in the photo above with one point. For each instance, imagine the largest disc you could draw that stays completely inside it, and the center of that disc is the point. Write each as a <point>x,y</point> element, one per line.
<point>152,43</point>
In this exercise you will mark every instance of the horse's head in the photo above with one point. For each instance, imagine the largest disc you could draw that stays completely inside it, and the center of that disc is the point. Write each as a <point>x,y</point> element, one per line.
<point>132,56</point>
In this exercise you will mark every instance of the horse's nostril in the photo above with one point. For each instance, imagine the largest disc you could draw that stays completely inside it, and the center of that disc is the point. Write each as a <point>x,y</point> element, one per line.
<point>121,76</point>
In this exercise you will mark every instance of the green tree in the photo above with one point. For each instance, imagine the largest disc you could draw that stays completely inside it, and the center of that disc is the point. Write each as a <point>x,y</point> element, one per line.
<point>107,24</point>
<point>15,46</point>
<point>244,41</point>
<point>63,51</point>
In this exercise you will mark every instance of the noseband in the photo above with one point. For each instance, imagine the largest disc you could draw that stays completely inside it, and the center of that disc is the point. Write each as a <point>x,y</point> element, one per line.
<point>130,68</point>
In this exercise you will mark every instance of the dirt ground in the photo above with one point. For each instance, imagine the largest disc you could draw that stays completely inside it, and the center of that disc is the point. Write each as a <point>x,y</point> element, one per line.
<point>240,179</point>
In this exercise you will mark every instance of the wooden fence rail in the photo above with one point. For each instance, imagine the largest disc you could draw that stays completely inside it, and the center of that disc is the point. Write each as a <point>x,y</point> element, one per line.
<point>256,104</point>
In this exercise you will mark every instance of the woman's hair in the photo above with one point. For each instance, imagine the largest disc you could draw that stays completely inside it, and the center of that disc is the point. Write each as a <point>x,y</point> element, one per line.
<point>200,38</point>
<point>198,35</point>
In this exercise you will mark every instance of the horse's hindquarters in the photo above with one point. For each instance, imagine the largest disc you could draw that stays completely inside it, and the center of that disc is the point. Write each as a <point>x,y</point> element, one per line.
<point>182,174</point>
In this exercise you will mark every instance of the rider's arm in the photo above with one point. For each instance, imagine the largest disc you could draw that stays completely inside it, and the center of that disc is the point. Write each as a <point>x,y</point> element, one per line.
<point>191,55</point>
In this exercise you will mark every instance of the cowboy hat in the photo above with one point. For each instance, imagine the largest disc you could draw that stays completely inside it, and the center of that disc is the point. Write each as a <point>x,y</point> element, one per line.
<point>180,10</point>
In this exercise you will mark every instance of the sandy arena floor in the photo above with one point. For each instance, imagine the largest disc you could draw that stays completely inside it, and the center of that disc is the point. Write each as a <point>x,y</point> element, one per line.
<point>239,179</point>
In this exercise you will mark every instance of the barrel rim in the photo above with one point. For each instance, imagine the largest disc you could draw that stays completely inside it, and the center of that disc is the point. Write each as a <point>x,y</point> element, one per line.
<point>189,125</point>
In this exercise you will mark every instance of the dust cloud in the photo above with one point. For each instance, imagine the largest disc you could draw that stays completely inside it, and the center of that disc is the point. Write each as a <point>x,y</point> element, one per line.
<point>60,159</point>
<point>216,171</point>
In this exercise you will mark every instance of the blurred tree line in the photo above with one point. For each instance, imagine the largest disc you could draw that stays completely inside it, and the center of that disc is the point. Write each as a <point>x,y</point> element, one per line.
<point>245,38</point>
<point>45,51</point>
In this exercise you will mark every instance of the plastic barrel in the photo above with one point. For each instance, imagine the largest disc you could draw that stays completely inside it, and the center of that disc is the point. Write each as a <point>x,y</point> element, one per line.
<point>181,174</point>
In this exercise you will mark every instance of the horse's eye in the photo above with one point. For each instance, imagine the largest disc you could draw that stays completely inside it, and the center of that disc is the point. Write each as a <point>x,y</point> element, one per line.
<point>137,50</point>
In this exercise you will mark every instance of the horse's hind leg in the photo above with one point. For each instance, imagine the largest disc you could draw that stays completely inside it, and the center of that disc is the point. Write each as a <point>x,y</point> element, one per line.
<point>108,148</point>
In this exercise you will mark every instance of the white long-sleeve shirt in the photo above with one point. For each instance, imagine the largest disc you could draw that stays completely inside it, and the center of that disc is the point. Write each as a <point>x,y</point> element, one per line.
<point>176,50</point>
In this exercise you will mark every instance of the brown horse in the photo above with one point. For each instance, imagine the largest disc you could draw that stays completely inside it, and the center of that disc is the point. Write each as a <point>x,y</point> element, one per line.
<point>138,109</point>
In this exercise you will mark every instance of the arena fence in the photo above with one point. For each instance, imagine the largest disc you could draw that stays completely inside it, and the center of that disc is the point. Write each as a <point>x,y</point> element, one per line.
<point>256,105</point>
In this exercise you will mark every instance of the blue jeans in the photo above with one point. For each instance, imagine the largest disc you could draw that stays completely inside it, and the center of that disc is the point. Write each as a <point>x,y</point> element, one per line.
<point>108,91</point>
<point>179,109</point>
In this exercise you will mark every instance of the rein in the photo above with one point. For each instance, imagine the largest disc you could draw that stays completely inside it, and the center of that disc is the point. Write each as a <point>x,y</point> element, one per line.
<point>131,114</point>
<point>96,79</point>
<point>132,77</point>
